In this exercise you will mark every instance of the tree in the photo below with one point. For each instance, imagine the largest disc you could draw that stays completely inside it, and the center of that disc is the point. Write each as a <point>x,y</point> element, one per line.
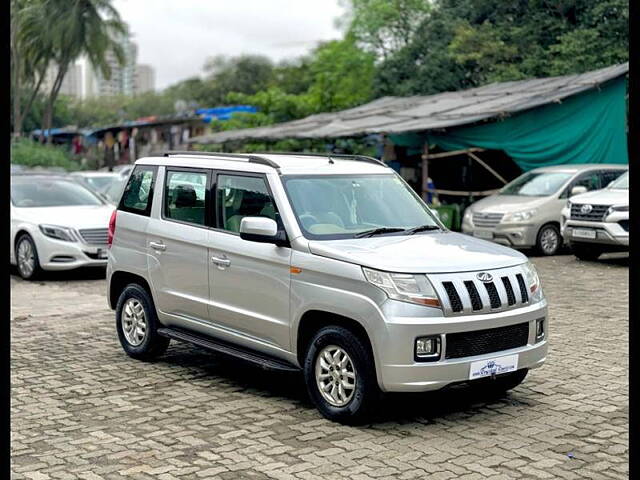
<point>87,27</point>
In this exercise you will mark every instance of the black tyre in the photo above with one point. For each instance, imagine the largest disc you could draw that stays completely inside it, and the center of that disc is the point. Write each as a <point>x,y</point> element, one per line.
<point>340,376</point>
<point>585,251</point>
<point>27,259</point>
<point>137,324</point>
<point>549,240</point>
<point>502,383</point>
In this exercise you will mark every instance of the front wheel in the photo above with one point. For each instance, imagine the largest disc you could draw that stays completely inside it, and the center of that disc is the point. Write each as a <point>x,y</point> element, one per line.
<point>549,240</point>
<point>27,258</point>
<point>340,376</point>
<point>586,251</point>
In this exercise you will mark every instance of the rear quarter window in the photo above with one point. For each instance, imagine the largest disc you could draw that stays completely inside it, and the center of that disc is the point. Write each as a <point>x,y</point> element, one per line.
<point>138,193</point>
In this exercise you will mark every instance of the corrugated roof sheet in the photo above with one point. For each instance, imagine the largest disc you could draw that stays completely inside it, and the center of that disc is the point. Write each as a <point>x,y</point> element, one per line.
<point>418,113</point>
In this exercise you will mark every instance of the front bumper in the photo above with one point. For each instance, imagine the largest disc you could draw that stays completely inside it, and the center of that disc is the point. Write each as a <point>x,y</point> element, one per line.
<point>510,235</point>
<point>60,255</point>
<point>608,233</point>
<point>400,372</point>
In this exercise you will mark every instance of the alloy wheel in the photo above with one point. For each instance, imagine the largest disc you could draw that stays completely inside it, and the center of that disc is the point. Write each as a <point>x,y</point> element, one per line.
<point>26,258</point>
<point>335,376</point>
<point>549,241</point>
<point>134,322</point>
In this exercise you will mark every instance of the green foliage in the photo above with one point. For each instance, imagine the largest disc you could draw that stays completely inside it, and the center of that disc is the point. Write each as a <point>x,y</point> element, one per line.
<point>33,154</point>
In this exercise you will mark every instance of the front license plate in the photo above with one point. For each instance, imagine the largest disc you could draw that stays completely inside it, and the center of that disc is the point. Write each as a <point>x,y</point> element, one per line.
<point>584,233</point>
<point>488,234</point>
<point>493,366</point>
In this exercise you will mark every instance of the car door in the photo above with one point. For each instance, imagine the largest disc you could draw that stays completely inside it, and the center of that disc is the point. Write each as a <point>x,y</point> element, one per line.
<point>177,246</point>
<point>249,281</point>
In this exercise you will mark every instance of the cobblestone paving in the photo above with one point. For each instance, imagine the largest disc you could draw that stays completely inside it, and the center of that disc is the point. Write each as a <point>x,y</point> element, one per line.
<point>82,409</point>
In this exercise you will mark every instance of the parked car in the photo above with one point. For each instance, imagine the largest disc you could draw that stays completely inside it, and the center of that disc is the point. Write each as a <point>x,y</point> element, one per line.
<point>331,266</point>
<point>97,181</point>
<point>56,224</point>
<point>525,213</point>
<point>597,222</point>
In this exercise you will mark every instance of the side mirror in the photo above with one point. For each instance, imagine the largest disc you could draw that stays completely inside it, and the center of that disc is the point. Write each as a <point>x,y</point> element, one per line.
<point>263,230</point>
<point>578,189</point>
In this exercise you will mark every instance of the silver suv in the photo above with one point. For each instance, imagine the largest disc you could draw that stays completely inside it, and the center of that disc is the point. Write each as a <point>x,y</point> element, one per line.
<point>526,212</point>
<point>329,265</point>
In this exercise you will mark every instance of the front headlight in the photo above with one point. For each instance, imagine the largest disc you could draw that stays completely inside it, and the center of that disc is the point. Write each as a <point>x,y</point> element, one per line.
<point>518,217</point>
<point>569,205</point>
<point>59,233</point>
<point>618,208</point>
<point>533,281</point>
<point>467,214</point>
<point>405,287</point>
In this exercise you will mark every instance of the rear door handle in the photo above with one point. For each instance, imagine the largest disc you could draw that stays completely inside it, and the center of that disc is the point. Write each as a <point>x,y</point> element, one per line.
<point>158,246</point>
<point>222,262</point>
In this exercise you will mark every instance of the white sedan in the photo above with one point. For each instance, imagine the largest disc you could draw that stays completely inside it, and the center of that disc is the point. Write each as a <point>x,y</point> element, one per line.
<point>56,224</point>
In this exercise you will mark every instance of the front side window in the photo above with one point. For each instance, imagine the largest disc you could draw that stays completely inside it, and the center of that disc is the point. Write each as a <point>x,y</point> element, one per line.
<point>622,183</point>
<point>185,196</point>
<point>137,194</point>
<point>536,184</point>
<point>347,206</point>
<point>38,192</point>
<point>609,176</point>
<point>242,196</point>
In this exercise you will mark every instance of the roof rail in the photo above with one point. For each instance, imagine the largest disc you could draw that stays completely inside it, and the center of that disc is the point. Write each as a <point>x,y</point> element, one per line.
<point>359,158</point>
<point>228,156</point>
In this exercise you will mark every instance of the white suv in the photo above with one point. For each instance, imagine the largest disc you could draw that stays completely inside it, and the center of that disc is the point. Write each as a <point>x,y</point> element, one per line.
<point>326,264</point>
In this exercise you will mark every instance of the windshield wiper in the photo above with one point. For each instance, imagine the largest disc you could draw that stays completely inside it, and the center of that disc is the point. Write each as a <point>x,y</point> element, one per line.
<point>377,231</point>
<point>421,228</point>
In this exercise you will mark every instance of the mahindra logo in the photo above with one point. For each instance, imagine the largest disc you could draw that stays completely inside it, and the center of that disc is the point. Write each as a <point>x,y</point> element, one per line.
<point>484,277</point>
<point>586,209</point>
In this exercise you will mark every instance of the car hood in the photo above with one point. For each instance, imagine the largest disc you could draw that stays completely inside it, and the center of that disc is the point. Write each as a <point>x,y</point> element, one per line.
<point>603,197</point>
<point>507,203</point>
<point>84,216</point>
<point>433,252</point>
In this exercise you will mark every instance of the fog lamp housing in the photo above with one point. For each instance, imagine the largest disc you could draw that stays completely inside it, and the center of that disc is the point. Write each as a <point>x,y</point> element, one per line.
<point>540,333</point>
<point>427,349</point>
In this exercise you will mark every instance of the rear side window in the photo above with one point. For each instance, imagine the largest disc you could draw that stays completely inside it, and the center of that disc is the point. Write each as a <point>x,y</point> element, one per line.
<point>138,193</point>
<point>185,196</point>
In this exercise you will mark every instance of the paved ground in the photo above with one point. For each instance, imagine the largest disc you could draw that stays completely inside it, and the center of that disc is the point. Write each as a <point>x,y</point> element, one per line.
<point>82,409</point>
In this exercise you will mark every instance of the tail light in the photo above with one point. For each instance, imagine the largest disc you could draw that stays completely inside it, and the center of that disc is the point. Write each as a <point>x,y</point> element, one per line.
<point>112,228</point>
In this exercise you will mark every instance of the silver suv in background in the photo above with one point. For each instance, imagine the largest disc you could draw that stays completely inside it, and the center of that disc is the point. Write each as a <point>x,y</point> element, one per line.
<point>328,265</point>
<point>525,213</point>
<point>597,222</point>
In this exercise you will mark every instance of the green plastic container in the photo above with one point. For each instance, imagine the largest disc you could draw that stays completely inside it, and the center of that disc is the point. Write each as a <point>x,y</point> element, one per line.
<point>449,215</point>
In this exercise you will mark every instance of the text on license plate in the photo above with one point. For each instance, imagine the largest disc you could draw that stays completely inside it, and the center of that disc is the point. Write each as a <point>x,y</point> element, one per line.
<point>584,233</point>
<point>493,366</point>
<point>483,234</point>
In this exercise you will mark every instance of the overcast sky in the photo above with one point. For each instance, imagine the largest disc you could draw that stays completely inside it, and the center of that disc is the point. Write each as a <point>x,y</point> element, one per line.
<point>176,36</point>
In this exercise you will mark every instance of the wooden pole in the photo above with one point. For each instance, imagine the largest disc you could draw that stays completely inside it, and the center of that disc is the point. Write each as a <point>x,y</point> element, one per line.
<point>425,171</point>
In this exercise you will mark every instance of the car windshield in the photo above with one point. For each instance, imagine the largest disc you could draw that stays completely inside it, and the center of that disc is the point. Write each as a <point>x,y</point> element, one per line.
<point>39,192</point>
<point>114,191</point>
<point>536,184</point>
<point>101,183</point>
<point>343,206</point>
<point>620,183</point>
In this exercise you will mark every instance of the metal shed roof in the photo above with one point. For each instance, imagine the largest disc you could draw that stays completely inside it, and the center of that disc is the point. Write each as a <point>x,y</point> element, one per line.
<point>419,113</point>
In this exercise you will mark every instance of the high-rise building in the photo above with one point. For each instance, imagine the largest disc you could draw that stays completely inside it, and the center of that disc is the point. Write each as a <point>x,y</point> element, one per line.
<point>144,79</point>
<point>71,82</point>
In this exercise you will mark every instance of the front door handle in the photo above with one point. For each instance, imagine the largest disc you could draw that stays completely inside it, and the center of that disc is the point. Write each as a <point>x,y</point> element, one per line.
<point>221,262</point>
<point>158,246</point>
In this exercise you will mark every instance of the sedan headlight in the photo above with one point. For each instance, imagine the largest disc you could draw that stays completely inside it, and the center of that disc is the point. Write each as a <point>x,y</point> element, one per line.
<point>533,282</point>
<point>59,233</point>
<point>519,217</point>
<point>405,287</point>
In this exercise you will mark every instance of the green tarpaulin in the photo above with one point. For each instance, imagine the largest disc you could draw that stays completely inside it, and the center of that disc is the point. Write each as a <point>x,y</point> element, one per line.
<point>589,127</point>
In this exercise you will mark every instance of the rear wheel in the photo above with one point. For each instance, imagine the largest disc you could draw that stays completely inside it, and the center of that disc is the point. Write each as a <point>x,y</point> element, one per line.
<point>549,240</point>
<point>137,324</point>
<point>27,258</point>
<point>585,251</point>
<point>340,375</point>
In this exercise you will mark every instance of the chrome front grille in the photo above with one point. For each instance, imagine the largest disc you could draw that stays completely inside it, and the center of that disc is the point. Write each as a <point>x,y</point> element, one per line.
<point>464,294</point>
<point>595,214</point>
<point>486,220</point>
<point>94,236</point>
